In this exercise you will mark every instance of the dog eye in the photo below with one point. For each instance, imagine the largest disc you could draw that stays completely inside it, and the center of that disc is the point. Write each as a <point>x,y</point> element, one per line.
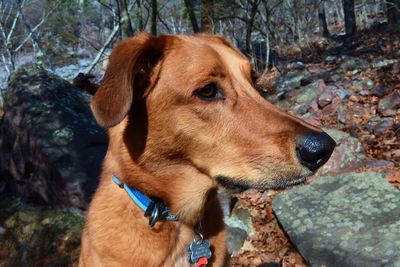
<point>209,92</point>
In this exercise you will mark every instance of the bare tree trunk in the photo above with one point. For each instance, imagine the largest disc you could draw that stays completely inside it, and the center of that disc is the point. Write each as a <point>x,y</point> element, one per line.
<point>192,16</point>
<point>154,17</point>
<point>393,14</point>
<point>349,17</point>
<point>139,14</point>
<point>206,14</point>
<point>323,26</point>
<point>267,61</point>
<point>125,21</point>
<point>250,23</point>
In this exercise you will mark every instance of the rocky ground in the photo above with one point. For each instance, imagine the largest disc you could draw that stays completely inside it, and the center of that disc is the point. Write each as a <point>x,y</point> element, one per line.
<point>357,93</point>
<point>351,92</point>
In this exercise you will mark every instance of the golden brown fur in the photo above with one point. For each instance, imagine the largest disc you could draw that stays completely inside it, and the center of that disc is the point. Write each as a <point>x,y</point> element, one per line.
<point>169,143</point>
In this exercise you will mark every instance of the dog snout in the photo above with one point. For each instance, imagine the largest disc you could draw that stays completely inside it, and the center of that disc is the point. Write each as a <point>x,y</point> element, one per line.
<point>314,149</point>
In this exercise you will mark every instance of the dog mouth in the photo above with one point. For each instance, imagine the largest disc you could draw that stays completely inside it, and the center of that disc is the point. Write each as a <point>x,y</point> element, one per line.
<point>232,185</point>
<point>240,185</point>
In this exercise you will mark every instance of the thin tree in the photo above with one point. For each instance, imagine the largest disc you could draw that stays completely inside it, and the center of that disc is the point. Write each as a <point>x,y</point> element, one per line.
<point>250,23</point>
<point>154,12</point>
<point>12,16</point>
<point>206,16</point>
<point>139,15</point>
<point>323,26</point>
<point>124,19</point>
<point>349,18</point>
<point>192,16</point>
<point>393,14</point>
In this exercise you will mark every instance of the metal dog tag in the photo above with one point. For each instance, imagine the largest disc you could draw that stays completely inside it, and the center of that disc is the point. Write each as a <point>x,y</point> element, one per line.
<point>199,252</point>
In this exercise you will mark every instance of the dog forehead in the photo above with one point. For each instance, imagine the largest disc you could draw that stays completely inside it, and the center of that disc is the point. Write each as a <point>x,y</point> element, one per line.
<point>205,53</point>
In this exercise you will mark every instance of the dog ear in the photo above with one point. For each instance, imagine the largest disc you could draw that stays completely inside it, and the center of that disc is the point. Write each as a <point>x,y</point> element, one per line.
<point>131,57</point>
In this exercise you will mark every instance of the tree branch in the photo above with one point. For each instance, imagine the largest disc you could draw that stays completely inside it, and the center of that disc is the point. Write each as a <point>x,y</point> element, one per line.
<point>103,49</point>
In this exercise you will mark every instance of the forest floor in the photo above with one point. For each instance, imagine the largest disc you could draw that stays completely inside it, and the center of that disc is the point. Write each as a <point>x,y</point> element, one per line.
<point>270,244</point>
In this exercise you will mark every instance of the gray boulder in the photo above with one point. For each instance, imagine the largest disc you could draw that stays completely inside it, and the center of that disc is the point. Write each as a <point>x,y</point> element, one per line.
<point>51,148</point>
<point>351,219</point>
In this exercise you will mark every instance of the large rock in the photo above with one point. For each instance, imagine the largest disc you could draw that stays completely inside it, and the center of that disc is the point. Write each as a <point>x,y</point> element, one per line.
<point>348,153</point>
<point>33,236</point>
<point>345,220</point>
<point>51,148</point>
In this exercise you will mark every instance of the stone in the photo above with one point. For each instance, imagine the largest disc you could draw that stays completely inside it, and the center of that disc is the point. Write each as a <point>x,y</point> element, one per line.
<point>357,86</point>
<point>336,77</point>
<point>314,69</point>
<point>379,91</point>
<point>348,153</point>
<point>297,65</point>
<point>51,147</point>
<point>310,92</point>
<point>378,125</point>
<point>344,220</point>
<point>379,164</point>
<point>240,218</point>
<point>387,106</point>
<point>344,94</point>
<point>325,98</point>
<point>311,119</point>
<point>384,63</point>
<point>370,84</point>
<point>300,109</point>
<point>326,108</point>
<point>239,226</point>
<point>37,236</point>
<point>235,239</point>
<point>290,81</point>
<point>342,114</point>
<point>330,59</point>
<point>353,64</point>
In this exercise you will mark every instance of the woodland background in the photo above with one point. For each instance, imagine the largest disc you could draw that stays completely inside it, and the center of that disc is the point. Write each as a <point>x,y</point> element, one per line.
<point>57,33</point>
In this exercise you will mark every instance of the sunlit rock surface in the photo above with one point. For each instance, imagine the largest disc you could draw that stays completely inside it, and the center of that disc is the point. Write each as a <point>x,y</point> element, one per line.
<point>350,219</point>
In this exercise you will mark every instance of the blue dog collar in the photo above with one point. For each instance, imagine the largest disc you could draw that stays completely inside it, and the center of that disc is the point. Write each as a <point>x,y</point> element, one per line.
<point>155,209</point>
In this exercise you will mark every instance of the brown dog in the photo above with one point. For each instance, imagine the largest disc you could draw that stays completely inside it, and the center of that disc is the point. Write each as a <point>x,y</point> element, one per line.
<point>183,118</point>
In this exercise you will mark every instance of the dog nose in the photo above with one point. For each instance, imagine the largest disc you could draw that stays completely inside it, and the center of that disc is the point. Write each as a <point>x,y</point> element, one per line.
<point>314,149</point>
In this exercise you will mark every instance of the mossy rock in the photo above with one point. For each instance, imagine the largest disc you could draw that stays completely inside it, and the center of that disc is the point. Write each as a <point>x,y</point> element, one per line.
<point>51,147</point>
<point>36,236</point>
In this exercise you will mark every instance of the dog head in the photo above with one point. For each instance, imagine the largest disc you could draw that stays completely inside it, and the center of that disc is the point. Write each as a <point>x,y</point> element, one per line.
<point>191,100</point>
